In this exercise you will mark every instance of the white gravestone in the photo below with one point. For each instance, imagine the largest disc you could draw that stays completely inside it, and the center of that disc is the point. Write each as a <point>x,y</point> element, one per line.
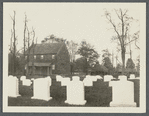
<point>75,92</point>
<point>25,82</point>
<point>122,93</point>
<point>88,82</point>
<point>99,77</point>
<point>59,78</point>
<point>108,78</point>
<point>13,90</point>
<point>132,76</point>
<point>94,78</point>
<point>41,89</point>
<point>23,78</point>
<point>65,81</point>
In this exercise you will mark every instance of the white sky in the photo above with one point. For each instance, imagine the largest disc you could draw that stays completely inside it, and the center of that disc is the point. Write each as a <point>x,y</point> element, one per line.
<point>71,21</point>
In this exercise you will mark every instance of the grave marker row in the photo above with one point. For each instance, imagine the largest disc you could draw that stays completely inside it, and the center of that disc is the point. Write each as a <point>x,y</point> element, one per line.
<point>122,90</point>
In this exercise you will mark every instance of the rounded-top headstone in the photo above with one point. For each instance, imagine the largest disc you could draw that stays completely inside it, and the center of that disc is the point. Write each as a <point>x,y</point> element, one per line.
<point>122,78</point>
<point>59,78</point>
<point>108,78</point>
<point>75,78</point>
<point>132,76</point>
<point>98,77</point>
<point>10,76</point>
<point>23,78</point>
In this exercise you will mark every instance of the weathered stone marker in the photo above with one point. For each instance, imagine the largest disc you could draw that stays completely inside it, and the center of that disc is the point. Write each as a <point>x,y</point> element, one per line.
<point>122,93</point>
<point>65,81</point>
<point>59,78</point>
<point>41,89</point>
<point>108,78</point>
<point>88,80</point>
<point>26,82</point>
<point>75,92</point>
<point>99,77</point>
<point>13,90</point>
<point>132,76</point>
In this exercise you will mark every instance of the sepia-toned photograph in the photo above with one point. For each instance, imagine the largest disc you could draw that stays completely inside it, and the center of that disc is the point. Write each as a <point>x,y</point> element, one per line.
<point>74,57</point>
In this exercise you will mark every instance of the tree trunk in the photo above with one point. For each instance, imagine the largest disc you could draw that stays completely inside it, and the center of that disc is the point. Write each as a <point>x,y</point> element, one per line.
<point>86,68</point>
<point>123,59</point>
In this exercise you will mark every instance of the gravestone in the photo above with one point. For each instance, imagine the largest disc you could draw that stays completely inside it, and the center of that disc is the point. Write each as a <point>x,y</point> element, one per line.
<point>88,82</point>
<point>94,78</point>
<point>122,93</point>
<point>65,81</point>
<point>132,76</point>
<point>108,78</point>
<point>25,82</point>
<point>59,78</point>
<point>22,78</point>
<point>99,77</point>
<point>41,89</point>
<point>13,90</point>
<point>75,92</point>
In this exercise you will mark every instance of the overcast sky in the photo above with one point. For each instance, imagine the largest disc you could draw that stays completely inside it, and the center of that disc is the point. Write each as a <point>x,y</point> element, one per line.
<point>71,21</point>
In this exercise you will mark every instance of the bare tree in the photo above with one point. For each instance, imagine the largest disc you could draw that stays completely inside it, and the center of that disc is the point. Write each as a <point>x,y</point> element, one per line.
<point>13,32</point>
<point>121,29</point>
<point>33,45</point>
<point>24,40</point>
<point>72,49</point>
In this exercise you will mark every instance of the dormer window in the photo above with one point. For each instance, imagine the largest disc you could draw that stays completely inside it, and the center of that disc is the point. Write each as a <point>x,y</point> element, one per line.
<point>34,56</point>
<point>53,56</point>
<point>41,56</point>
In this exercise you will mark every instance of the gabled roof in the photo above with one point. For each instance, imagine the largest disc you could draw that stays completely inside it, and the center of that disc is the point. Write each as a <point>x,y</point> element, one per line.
<point>45,48</point>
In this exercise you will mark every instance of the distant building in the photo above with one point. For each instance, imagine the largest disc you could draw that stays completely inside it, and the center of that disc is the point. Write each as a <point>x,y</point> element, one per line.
<point>48,59</point>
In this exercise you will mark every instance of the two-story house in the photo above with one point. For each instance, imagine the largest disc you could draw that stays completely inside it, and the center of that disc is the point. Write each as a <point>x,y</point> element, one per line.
<point>47,59</point>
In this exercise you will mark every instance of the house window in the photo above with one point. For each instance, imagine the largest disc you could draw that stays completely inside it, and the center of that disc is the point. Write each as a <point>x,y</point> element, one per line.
<point>41,56</point>
<point>53,56</point>
<point>34,56</point>
<point>53,67</point>
<point>25,57</point>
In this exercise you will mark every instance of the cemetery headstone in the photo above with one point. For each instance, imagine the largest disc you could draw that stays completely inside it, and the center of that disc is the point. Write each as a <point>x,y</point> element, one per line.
<point>75,92</point>
<point>108,78</point>
<point>132,76</point>
<point>59,78</point>
<point>122,93</point>
<point>25,82</point>
<point>99,77</point>
<point>88,82</point>
<point>65,81</point>
<point>41,89</point>
<point>13,90</point>
<point>22,78</point>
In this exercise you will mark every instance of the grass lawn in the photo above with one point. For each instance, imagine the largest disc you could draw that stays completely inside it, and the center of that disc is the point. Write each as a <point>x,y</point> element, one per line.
<point>99,95</point>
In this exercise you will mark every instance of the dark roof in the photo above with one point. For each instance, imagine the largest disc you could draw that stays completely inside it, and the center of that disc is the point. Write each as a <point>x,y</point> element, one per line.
<point>45,48</point>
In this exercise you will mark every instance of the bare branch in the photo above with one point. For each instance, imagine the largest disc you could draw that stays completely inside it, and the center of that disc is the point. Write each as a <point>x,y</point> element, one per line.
<point>130,41</point>
<point>108,16</point>
<point>117,14</point>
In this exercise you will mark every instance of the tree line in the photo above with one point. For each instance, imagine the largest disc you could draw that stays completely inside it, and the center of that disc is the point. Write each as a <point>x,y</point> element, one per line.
<point>89,56</point>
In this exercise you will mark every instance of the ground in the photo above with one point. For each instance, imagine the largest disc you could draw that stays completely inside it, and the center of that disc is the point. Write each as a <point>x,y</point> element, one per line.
<point>99,95</point>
